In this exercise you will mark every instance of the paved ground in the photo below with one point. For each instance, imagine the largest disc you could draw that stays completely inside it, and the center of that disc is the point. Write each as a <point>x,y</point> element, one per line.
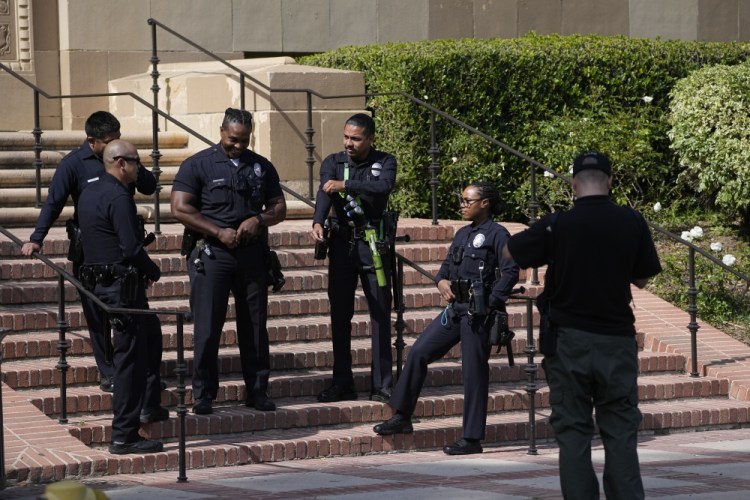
<point>698,465</point>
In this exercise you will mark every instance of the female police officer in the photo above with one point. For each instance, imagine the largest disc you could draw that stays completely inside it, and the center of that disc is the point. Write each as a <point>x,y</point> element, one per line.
<point>474,279</point>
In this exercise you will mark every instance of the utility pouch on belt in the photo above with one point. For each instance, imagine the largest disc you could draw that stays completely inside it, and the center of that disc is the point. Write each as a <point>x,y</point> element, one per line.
<point>460,289</point>
<point>501,335</point>
<point>129,287</point>
<point>276,278</point>
<point>478,302</point>
<point>321,247</point>
<point>75,248</point>
<point>189,239</point>
<point>87,277</point>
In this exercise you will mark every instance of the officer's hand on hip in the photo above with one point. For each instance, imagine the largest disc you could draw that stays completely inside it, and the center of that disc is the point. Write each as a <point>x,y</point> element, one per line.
<point>444,287</point>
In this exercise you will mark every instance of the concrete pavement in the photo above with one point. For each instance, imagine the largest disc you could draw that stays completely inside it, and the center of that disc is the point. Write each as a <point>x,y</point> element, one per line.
<point>697,465</point>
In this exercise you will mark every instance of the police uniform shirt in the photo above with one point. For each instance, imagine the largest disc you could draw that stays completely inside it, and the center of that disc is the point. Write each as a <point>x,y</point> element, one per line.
<point>481,244</point>
<point>599,249</point>
<point>73,174</point>
<point>227,193</point>
<point>372,180</point>
<point>110,230</point>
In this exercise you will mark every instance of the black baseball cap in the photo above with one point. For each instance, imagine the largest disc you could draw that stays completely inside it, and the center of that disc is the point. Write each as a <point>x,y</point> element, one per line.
<point>592,160</point>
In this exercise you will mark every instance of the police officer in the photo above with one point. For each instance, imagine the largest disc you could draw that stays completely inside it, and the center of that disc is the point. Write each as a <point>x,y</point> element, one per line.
<point>356,183</point>
<point>74,173</point>
<point>117,269</point>
<point>596,251</point>
<point>475,280</point>
<point>227,196</point>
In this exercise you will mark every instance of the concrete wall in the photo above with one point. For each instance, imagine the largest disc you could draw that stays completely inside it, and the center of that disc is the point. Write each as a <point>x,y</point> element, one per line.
<point>78,46</point>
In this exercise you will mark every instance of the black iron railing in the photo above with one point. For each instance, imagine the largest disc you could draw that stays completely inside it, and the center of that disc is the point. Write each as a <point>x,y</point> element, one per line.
<point>535,168</point>
<point>63,345</point>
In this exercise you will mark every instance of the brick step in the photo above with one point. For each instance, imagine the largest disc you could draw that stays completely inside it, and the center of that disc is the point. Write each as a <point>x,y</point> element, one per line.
<point>280,329</point>
<point>177,284</point>
<point>289,384</point>
<point>318,355</point>
<point>294,233</point>
<point>437,399</point>
<point>27,372</point>
<point>21,318</point>
<point>503,428</point>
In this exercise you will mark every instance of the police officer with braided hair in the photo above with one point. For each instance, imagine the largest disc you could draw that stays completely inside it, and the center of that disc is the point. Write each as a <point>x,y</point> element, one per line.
<point>475,280</point>
<point>117,269</point>
<point>355,185</point>
<point>227,196</point>
<point>73,174</point>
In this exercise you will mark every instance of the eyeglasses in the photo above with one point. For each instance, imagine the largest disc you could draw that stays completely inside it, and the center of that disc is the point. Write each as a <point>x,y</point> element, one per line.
<point>467,201</point>
<point>128,158</point>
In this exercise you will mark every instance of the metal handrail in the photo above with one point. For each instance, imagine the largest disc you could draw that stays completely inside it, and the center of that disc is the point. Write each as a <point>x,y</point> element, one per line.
<point>62,344</point>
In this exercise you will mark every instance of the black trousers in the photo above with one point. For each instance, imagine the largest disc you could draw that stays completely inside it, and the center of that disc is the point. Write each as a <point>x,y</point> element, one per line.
<point>95,322</point>
<point>347,263</point>
<point>242,272</point>
<point>130,362</point>
<point>434,343</point>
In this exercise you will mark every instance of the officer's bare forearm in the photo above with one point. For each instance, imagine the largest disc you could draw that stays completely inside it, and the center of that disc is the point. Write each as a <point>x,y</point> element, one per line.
<point>275,211</point>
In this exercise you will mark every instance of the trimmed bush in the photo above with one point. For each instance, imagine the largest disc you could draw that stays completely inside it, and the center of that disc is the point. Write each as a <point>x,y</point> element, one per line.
<point>710,118</point>
<point>531,93</point>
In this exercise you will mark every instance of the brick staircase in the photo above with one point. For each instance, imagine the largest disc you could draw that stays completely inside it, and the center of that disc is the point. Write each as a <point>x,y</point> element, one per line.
<point>38,448</point>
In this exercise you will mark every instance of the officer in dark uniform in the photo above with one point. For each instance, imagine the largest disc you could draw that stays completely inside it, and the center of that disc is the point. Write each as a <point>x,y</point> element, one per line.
<point>356,183</point>
<point>74,173</point>
<point>476,281</point>
<point>117,269</point>
<point>595,251</point>
<point>227,196</point>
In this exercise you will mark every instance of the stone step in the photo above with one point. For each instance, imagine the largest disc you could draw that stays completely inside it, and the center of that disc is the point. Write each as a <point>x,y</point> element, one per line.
<point>65,140</point>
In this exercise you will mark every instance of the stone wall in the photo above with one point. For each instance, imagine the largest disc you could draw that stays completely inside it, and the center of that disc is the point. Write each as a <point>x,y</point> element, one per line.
<point>78,46</point>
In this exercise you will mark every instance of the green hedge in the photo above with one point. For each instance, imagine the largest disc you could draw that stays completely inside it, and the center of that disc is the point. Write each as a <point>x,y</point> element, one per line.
<point>710,118</point>
<point>547,96</point>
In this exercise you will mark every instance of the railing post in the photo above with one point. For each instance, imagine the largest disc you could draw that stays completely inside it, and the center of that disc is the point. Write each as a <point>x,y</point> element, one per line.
<point>398,298</point>
<point>181,370</point>
<point>3,481</point>
<point>155,154</point>
<point>242,91</point>
<point>533,211</point>
<point>62,346</point>
<point>693,312</point>
<point>37,132</point>
<point>310,145</point>
<point>434,167</point>
<point>531,369</point>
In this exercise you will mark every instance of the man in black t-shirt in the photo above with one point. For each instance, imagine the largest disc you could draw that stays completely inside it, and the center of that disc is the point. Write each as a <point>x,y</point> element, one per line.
<point>595,251</point>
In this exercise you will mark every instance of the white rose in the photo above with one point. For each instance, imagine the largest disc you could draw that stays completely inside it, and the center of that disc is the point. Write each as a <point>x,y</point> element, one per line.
<point>647,99</point>
<point>686,236</point>
<point>696,232</point>
<point>657,206</point>
<point>717,246</point>
<point>729,260</point>
<point>547,173</point>
<point>454,159</point>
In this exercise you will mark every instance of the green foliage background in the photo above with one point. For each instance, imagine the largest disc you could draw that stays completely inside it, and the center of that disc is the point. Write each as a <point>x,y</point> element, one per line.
<point>549,97</point>
<point>710,119</point>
